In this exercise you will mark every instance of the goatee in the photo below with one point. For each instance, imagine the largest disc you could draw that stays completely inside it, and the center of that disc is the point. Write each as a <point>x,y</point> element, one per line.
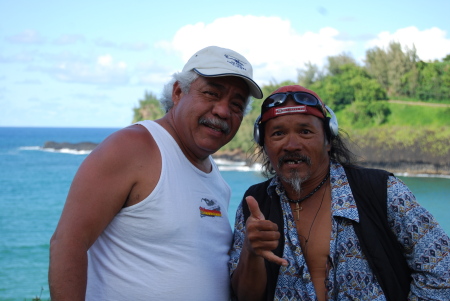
<point>294,179</point>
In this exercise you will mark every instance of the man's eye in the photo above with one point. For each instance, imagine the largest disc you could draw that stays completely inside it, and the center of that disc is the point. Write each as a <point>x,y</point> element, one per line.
<point>238,105</point>
<point>211,93</point>
<point>277,133</point>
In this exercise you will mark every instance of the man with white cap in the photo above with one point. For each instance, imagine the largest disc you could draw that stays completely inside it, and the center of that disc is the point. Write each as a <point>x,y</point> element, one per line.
<point>146,215</point>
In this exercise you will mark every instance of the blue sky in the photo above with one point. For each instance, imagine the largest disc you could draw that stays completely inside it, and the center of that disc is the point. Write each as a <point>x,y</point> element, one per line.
<point>88,63</point>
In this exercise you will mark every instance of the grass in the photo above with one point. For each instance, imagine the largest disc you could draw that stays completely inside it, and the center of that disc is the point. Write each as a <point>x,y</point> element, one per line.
<point>402,98</point>
<point>405,115</point>
<point>418,115</point>
<point>426,127</point>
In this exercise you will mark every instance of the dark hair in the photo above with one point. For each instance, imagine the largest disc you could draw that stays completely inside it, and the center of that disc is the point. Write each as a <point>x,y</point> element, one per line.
<point>339,151</point>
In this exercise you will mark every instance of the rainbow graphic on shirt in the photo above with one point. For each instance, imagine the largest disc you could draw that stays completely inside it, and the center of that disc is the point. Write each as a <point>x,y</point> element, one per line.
<point>209,208</point>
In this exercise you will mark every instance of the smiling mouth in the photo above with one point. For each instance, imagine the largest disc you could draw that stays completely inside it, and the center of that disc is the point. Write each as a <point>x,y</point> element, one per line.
<point>291,162</point>
<point>294,159</point>
<point>216,125</point>
<point>214,128</point>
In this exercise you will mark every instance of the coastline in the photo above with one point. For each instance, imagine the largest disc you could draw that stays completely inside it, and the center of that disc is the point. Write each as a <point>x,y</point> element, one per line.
<point>243,161</point>
<point>399,168</point>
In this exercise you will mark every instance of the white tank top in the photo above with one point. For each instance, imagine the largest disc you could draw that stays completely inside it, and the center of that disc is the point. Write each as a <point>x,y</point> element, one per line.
<point>174,244</point>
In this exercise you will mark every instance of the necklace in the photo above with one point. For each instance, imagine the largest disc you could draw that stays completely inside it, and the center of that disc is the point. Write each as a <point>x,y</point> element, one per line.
<point>310,228</point>
<point>297,208</point>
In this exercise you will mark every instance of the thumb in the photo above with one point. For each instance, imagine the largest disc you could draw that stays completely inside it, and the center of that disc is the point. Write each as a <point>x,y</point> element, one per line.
<point>253,206</point>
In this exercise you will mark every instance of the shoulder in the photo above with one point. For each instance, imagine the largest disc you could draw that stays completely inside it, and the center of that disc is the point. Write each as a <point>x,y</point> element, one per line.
<point>260,187</point>
<point>125,151</point>
<point>368,177</point>
<point>132,134</point>
<point>359,170</point>
<point>128,140</point>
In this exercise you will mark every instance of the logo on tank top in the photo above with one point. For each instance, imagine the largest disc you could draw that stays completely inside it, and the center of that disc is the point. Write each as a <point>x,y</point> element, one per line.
<point>209,208</point>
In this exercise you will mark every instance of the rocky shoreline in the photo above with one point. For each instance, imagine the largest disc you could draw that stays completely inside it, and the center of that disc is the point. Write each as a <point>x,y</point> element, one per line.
<point>400,161</point>
<point>400,167</point>
<point>396,162</point>
<point>81,146</point>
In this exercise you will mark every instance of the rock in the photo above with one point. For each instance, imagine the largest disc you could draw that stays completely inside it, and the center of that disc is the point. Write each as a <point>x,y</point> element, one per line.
<point>81,146</point>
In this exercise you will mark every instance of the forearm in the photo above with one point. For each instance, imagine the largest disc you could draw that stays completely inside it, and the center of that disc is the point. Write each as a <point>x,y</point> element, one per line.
<point>250,277</point>
<point>67,273</point>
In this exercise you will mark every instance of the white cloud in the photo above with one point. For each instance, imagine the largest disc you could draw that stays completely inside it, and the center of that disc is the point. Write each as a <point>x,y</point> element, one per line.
<point>104,60</point>
<point>105,71</point>
<point>129,46</point>
<point>277,50</point>
<point>26,37</point>
<point>430,43</point>
<point>67,39</point>
<point>20,57</point>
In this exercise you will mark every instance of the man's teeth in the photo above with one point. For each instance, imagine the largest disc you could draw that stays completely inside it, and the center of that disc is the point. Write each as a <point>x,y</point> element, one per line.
<point>294,161</point>
<point>214,128</point>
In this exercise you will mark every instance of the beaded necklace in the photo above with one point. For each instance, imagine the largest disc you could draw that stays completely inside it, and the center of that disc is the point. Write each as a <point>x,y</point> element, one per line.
<point>297,208</point>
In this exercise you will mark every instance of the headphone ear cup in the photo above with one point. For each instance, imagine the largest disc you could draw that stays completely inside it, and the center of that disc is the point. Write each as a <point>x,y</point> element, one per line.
<point>332,122</point>
<point>256,131</point>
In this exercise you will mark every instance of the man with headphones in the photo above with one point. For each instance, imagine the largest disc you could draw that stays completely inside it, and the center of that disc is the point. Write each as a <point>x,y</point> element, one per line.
<point>322,228</point>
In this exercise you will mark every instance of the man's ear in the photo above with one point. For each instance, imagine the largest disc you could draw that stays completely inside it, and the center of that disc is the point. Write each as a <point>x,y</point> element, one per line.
<point>177,94</point>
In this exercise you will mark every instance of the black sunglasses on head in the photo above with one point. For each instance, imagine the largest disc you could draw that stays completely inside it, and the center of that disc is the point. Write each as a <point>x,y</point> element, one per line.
<point>302,98</point>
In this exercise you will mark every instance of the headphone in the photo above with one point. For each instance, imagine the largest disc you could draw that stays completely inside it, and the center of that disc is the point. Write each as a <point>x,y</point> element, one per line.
<point>258,133</point>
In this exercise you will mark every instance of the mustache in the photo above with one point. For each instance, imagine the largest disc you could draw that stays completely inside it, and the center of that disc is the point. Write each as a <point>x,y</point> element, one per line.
<point>215,123</point>
<point>296,156</point>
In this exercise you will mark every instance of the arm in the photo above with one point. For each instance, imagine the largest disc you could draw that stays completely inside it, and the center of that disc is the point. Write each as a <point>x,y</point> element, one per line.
<point>251,246</point>
<point>426,245</point>
<point>108,179</point>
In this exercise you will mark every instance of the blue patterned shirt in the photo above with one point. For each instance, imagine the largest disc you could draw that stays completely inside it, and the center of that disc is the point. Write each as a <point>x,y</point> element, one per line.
<point>349,276</point>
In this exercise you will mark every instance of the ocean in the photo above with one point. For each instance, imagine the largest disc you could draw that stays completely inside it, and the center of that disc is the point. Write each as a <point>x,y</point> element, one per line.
<point>34,184</point>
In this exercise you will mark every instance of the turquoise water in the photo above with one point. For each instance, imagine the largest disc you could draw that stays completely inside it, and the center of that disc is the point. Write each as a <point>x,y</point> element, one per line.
<point>34,184</point>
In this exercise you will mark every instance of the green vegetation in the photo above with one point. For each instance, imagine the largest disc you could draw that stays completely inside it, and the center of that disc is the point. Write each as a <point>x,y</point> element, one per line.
<point>149,108</point>
<point>394,100</point>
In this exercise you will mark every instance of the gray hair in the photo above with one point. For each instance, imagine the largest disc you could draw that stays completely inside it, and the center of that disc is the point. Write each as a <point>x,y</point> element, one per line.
<point>185,79</point>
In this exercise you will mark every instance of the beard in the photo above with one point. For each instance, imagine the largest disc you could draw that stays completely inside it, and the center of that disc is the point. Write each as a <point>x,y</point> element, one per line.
<point>293,178</point>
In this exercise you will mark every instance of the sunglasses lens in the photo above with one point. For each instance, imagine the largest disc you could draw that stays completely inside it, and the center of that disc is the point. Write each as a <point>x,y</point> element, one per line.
<point>305,99</point>
<point>274,100</point>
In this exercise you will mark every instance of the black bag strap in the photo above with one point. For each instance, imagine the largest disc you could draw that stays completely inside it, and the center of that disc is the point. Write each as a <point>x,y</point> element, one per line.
<point>384,253</point>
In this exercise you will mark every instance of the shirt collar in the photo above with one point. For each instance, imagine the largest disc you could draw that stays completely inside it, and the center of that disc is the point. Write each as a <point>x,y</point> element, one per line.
<point>342,201</point>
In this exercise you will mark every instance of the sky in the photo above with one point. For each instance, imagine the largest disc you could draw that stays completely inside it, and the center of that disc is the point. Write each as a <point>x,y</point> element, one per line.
<point>88,63</point>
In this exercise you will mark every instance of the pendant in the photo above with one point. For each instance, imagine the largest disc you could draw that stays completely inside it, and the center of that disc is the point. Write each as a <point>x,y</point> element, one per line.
<point>297,209</point>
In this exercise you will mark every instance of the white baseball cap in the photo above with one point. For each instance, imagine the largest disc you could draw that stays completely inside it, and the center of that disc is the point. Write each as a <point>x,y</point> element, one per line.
<point>214,61</point>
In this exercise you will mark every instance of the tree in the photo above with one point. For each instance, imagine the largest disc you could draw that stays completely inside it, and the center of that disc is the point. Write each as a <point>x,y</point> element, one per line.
<point>149,108</point>
<point>433,81</point>
<point>367,114</point>
<point>350,83</point>
<point>335,63</point>
<point>390,66</point>
<point>306,77</point>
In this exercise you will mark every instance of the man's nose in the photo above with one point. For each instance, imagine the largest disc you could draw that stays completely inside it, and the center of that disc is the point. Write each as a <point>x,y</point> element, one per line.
<point>221,108</point>
<point>293,142</point>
